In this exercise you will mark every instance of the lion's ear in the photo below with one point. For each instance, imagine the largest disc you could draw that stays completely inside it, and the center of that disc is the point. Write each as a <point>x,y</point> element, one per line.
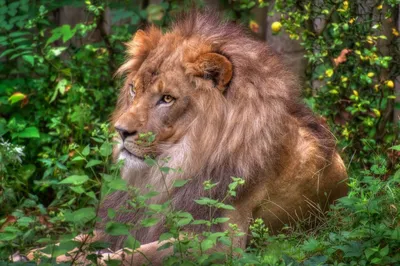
<point>144,41</point>
<point>139,48</point>
<point>212,66</point>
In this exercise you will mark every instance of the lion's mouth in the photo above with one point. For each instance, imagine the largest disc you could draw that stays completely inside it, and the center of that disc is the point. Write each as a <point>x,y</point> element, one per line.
<point>127,153</point>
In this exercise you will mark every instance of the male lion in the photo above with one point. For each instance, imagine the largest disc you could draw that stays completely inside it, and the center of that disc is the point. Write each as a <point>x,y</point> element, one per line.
<point>220,104</point>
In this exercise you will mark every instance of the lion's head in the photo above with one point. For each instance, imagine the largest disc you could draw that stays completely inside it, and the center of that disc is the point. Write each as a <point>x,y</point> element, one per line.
<point>200,84</point>
<point>166,91</point>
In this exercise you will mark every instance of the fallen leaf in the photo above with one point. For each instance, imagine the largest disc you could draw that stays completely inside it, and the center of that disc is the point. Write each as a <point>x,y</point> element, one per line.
<point>342,57</point>
<point>9,220</point>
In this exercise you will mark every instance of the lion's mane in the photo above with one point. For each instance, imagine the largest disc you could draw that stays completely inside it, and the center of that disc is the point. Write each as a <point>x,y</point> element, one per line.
<point>242,132</point>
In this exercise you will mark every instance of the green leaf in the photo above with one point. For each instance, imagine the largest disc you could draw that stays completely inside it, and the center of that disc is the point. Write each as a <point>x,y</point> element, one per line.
<point>183,221</point>
<point>165,169</point>
<point>7,236</point>
<point>54,96</point>
<point>207,244</point>
<point>66,32</point>
<point>61,85</point>
<point>86,151</point>
<point>384,251</point>
<point>166,236</point>
<point>131,243</point>
<point>64,247</point>
<point>81,216</point>
<point>148,222</point>
<point>29,58</point>
<point>91,194</point>
<point>221,205</point>
<point>92,163</point>
<point>396,233</point>
<point>111,213</point>
<point>396,148</point>
<point>316,260</point>
<point>179,183</point>
<point>77,189</point>
<point>25,221</point>
<point>18,34</point>
<point>369,252</point>
<point>26,171</point>
<point>376,260</point>
<point>225,240</point>
<point>220,220</point>
<point>29,132</point>
<point>63,31</point>
<point>149,161</point>
<point>106,149</point>
<point>311,245</point>
<point>78,158</point>
<point>16,97</point>
<point>206,201</point>
<point>165,246</point>
<point>196,222</point>
<point>75,180</point>
<point>155,207</point>
<point>118,184</point>
<point>117,229</point>
<point>54,37</point>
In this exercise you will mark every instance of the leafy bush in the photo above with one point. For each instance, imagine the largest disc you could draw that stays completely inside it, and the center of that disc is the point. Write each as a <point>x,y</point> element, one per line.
<point>351,71</point>
<point>56,94</point>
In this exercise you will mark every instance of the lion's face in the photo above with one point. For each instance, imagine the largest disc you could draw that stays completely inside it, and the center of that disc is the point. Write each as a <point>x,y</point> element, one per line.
<point>158,102</point>
<point>163,96</point>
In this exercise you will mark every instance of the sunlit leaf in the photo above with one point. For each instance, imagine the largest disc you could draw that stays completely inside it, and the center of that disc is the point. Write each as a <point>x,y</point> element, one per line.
<point>75,180</point>
<point>29,132</point>
<point>16,97</point>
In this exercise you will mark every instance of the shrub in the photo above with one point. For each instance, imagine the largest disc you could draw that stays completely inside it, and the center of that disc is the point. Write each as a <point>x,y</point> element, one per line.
<point>351,69</point>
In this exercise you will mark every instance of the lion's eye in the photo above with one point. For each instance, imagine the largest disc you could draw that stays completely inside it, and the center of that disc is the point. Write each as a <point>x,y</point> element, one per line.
<point>165,99</point>
<point>132,90</point>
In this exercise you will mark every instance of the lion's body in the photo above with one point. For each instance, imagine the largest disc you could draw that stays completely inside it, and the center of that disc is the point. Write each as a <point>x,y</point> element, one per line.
<point>236,112</point>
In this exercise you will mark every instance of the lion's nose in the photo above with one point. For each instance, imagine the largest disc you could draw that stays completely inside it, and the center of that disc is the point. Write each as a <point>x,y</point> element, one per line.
<point>125,133</point>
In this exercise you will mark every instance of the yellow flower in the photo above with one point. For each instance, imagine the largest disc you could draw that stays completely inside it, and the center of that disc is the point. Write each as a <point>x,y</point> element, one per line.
<point>395,32</point>
<point>329,72</point>
<point>345,5</point>
<point>376,87</point>
<point>346,133</point>
<point>379,7</point>
<point>355,93</point>
<point>351,20</point>
<point>344,79</point>
<point>370,74</point>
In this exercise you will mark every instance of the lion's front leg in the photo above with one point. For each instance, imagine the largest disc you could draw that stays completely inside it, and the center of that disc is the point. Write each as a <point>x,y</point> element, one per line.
<point>147,254</point>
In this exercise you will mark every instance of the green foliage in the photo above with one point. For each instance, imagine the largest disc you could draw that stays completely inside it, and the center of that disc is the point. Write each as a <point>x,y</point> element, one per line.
<point>350,70</point>
<point>361,229</point>
<point>56,91</point>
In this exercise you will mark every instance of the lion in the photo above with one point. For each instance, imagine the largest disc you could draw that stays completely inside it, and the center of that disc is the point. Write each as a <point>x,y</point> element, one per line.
<point>221,104</point>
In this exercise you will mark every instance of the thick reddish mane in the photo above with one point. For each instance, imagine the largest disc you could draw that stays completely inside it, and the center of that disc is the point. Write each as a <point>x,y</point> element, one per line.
<point>244,132</point>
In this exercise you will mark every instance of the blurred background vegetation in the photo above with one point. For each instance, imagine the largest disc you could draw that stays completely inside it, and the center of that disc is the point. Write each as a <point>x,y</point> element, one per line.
<point>57,91</point>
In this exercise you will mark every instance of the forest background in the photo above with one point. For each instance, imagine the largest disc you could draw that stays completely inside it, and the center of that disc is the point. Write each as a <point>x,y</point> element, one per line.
<point>57,91</point>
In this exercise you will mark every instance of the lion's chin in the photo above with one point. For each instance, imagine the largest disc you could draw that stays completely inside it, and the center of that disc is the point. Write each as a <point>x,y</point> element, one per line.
<point>131,161</point>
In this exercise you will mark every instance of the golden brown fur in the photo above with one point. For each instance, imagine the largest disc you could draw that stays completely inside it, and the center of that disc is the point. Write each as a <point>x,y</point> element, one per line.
<point>237,112</point>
